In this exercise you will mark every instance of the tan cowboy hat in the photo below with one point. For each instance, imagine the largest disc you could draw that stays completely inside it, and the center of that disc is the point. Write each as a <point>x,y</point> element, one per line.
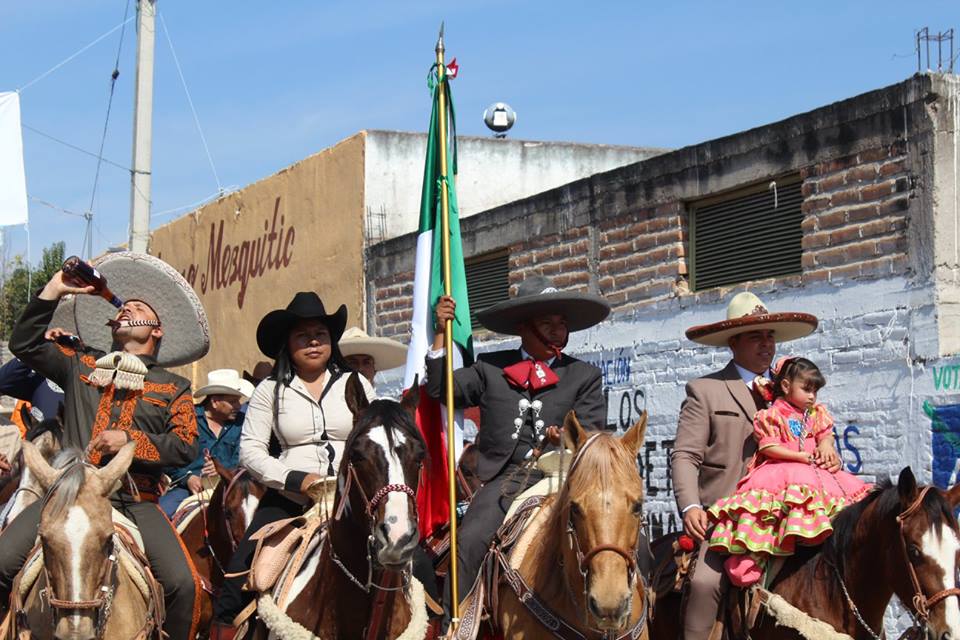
<point>746,312</point>
<point>537,296</point>
<point>386,353</point>
<point>138,276</point>
<point>225,382</point>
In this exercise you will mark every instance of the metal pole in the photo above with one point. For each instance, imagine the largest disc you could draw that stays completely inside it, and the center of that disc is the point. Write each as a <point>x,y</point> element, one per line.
<point>448,336</point>
<point>142,127</point>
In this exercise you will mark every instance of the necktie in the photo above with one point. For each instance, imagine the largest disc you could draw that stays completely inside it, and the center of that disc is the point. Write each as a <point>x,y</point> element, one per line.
<point>531,374</point>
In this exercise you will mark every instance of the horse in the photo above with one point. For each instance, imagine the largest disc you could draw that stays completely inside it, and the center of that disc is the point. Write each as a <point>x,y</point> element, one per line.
<point>83,591</point>
<point>358,584</point>
<point>582,572</point>
<point>22,488</point>
<point>211,536</point>
<point>901,539</point>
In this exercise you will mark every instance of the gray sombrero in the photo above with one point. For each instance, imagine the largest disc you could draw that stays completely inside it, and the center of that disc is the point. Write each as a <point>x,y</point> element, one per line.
<point>536,296</point>
<point>746,312</point>
<point>138,276</point>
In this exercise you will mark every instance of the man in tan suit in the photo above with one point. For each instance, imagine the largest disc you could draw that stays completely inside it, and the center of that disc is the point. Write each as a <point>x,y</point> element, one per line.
<point>715,433</point>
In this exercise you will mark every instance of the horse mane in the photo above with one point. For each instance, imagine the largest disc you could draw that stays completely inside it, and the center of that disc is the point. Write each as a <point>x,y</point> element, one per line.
<point>601,466</point>
<point>888,506</point>
<point>386,413</point>
<point>63,493</point>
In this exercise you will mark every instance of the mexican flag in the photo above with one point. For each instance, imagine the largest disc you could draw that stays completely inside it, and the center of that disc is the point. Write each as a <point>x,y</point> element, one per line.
<point>433,498</point>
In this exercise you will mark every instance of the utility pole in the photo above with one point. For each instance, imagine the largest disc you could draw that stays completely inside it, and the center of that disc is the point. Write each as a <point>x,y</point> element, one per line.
<point>142,127</point>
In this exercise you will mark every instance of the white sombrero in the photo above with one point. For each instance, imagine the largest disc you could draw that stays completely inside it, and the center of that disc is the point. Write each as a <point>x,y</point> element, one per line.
<point>746,312</point>
<point>225,382</point>
<point>138,276</point>
<point>386,353</point>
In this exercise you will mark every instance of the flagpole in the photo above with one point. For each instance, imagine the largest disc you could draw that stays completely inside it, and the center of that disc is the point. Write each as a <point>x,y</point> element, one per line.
<point>448,336</point>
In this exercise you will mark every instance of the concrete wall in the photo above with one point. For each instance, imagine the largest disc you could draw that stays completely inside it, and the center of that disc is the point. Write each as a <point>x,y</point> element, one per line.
<point>298,230</point>
<point>879,258</point>
<point>492,172</point>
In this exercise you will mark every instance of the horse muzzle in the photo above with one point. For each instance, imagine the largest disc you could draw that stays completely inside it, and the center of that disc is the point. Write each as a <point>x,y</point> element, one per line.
<point>609,618</point>
<point>394,551</point>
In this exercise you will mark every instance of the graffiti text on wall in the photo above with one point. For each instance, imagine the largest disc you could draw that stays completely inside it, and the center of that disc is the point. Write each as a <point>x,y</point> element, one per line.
<point>946,378</point>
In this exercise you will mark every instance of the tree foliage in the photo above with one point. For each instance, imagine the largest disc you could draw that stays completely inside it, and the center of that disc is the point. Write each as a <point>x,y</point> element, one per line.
<point>20,279</point>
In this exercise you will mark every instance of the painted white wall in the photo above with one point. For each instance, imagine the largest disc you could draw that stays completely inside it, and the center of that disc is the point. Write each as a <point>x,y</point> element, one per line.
<point>492,172</point>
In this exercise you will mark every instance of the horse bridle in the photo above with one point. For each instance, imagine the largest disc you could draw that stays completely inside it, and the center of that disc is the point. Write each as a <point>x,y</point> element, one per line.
<point>583,559</point>
<point>370,507</point>
<point>921,603</point>
<point>101,605</point>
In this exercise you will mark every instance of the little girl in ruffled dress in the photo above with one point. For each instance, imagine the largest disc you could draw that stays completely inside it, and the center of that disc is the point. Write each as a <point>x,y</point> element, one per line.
<point>789,494</point>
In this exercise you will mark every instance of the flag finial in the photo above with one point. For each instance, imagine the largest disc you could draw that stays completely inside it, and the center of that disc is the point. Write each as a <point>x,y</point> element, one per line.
<point>440,39</point>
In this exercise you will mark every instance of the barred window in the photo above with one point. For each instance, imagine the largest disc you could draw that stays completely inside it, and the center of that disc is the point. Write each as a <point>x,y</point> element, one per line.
<point>750,234</point>
<point>488,281</point>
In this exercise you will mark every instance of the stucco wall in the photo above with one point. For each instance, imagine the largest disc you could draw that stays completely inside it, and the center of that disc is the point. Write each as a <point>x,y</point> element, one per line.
<point>298,230</point>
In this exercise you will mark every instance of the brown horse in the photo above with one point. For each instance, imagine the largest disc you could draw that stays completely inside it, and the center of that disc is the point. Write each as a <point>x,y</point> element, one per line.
<point>365,558</point>
<point>82,592</point>
<point>901,540</point>
<point>212,535</point>
<point>583,567</point>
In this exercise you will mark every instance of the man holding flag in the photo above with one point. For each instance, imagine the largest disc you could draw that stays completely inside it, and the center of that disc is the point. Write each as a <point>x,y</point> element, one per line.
<point>523,395</point>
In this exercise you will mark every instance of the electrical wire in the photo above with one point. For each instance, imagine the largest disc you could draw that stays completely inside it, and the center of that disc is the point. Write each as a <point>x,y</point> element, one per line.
<point>196,120</point>
<point>75,147</point>
<point>68,59</point>
<point>106,121</point>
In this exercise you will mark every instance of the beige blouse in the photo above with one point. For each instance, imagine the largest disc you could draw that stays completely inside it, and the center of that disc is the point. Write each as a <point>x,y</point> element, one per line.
<point>311,433</point>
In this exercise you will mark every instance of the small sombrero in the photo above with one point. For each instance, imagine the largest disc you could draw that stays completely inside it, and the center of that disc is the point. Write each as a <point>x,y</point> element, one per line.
<point>536,296</point>
<point>746,312</point>
<point>386,353</point>
<point>138,276</point>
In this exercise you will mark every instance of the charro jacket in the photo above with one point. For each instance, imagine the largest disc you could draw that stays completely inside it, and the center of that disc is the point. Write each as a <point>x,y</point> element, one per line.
<point>483,384</point>
<point>160,418</point>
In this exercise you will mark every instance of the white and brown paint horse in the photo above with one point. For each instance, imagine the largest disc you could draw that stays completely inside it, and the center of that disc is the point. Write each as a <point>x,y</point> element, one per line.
<point>358,584</point>
<point>81,593</point>
<point>901,539</point>
<point>581,565</point>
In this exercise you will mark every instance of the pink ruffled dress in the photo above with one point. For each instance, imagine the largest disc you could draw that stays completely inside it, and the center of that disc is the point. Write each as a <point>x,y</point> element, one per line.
<point>780,503</point>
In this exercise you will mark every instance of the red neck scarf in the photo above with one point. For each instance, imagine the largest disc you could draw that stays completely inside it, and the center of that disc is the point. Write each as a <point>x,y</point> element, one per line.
<point>531,374</point>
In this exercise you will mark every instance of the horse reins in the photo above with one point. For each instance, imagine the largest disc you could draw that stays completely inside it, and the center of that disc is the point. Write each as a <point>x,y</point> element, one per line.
<point>101,605</point>
<point>921,603</point>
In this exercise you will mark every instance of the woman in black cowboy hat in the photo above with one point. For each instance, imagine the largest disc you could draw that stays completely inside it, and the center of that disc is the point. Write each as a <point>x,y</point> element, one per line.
<point>302,406</point>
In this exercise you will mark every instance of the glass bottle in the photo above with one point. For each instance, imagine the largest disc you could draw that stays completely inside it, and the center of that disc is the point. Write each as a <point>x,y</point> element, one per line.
<point>82,274</point>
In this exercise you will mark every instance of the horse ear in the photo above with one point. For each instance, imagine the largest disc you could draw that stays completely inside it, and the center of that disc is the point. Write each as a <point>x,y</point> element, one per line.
<point>907,486</point>
<point>110,475</point>
<point>38,466</point>
<point>223,472</point>
<point>411,397</point>
<point>953,495</point>
<point>574,435</point>
<point>355,395</point>
<point>633,438</point>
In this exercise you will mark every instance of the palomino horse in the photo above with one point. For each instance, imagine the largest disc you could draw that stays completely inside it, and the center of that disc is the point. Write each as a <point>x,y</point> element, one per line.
<point>212,534</point>
<point>82,592</point>
<point>581,571</point>
<point>358,585</point>
<point>901,540</point>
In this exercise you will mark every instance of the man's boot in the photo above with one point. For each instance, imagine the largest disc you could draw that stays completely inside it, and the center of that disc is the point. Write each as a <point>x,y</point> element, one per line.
<point>222,631</point>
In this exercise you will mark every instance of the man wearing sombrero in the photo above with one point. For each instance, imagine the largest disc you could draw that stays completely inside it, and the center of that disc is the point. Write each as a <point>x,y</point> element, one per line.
<point>523,395</point>
<point>219,422</point>
<point>116,391</point>
<point>367,354</point>
<point>715,433</point>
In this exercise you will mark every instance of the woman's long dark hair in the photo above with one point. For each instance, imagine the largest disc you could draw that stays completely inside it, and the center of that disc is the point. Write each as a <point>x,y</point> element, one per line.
<point>796,368</point>
<point>283,371</point>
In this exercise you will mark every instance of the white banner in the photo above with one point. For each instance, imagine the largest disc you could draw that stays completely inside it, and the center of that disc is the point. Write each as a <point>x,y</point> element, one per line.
<point>13,182</point>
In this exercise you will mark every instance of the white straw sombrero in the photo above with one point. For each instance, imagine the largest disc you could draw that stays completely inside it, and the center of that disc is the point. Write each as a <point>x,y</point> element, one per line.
<point>746,312</point>
<point>138,276</point>
<point>386,353</point>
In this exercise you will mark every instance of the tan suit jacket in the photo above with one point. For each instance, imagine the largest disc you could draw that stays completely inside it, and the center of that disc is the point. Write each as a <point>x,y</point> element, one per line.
<point>714,438</point>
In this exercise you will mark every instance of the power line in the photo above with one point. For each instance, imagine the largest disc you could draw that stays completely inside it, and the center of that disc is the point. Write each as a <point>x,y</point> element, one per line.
<point>203,139</point>
<point>68,59</point>
<point>56,207</point>
<point>75,147</point>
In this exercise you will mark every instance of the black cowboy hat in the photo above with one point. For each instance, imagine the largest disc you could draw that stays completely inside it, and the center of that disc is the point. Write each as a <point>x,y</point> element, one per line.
<point>536,296</point>
<point>274,327</point>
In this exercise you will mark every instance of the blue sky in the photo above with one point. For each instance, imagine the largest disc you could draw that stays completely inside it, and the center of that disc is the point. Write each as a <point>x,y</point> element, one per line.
<point>273,82</point>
